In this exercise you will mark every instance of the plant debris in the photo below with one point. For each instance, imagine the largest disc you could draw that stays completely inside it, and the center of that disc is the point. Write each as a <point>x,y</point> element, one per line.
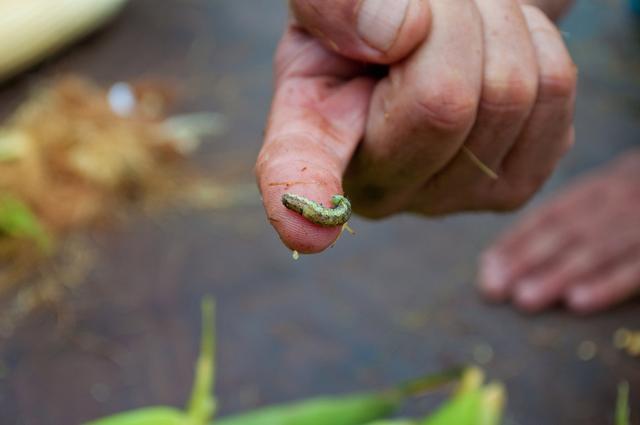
<point>72,152</point>
<point>75,155</point>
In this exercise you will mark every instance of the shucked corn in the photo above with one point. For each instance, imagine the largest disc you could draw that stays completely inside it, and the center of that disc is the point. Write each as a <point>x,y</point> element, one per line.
<point>33,29</point>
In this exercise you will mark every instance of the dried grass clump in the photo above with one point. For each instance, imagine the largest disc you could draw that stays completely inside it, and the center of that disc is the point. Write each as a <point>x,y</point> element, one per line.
<point>70,158</point>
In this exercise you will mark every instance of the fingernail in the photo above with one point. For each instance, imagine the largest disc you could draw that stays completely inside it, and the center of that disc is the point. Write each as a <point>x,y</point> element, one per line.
<point>493,274</point>
<point>527,293</point>
<point>379,22</point>
<point>578,298</point>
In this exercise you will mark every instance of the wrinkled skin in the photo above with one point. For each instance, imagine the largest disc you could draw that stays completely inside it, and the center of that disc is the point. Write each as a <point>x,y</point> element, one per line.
<point>391,135</point>
<point>581,248</point>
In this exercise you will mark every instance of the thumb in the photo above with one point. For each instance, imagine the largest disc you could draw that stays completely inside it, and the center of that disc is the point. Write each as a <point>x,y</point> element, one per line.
<point>377,31</point>
<point>314,127</point>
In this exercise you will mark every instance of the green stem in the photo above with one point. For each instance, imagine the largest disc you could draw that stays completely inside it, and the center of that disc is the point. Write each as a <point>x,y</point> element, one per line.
<point>622,405</point>
<point>202,405</point>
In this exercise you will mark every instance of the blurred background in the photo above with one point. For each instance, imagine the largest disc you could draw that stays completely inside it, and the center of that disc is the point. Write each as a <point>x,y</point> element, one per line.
<point>388,304</point>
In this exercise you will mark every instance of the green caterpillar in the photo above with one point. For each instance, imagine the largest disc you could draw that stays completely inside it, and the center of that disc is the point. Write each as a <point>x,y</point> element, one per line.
<point>318,214</point>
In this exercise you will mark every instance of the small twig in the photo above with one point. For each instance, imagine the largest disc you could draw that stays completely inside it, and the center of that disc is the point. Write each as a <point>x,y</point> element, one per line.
<point>485,169</point>
<point>345,228</point>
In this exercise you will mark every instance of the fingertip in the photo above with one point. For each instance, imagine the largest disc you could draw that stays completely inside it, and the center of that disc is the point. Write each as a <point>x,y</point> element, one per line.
<point>296,232</point>
<point>580,300</point>
<point>413,32</point>
<point>493,279</point>
<point>300,235</point>
<point>528,297</point>
<point>376,31</point>
<point>392,33</point>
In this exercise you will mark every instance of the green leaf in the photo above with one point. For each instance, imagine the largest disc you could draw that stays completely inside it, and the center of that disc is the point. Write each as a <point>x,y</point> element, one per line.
<point>354,409</point>
<point>472,404</point>
<point>145,416</point>
<point>18,221</point>
<point>463,409</point>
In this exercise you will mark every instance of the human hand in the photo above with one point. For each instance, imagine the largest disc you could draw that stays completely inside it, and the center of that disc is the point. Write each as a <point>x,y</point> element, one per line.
<point>491,76</point>
<point>583,247</point>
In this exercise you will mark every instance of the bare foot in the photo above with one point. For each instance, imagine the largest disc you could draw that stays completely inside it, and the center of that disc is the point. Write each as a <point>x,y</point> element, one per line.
<point>582,247</point>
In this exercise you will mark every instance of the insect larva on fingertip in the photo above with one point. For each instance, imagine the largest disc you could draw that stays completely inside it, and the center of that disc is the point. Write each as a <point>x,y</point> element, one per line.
<point>316,212</point>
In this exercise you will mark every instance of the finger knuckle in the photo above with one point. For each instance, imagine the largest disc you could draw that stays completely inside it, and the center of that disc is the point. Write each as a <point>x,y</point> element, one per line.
<point>559,80</point>
<point>448,106</point>
<point>512,91</point>
<point>534,13</point>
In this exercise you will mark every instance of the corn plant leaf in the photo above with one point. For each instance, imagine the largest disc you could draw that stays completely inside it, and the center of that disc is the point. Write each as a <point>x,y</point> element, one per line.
<point>472,403</point>
<point>145,416</point>
<point>463,409</point>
